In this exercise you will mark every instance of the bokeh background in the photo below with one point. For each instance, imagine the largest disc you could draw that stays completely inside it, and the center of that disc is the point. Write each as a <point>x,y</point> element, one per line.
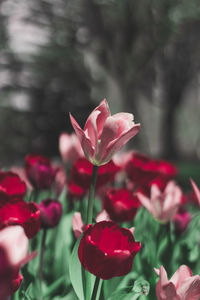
<point>60,56</point>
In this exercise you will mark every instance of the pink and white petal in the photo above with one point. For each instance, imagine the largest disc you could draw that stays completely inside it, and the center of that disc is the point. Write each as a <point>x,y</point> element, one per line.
<point>119,142</point>
<point>145,201</point>
<point>169,291</point>
<point>163,276</point>
<point>90,128</point>
<point>181,274</point>
<point>79,132</point>
<point>170,187</point>
<point>124,121</point>
<point>155,191</point>
<point>196,190</point>
<point>104,114</point>
<point>109,133</point>
<point>15,243</point>
<point>190,288</point>
<point>77,224</point>
<point>103,216</point>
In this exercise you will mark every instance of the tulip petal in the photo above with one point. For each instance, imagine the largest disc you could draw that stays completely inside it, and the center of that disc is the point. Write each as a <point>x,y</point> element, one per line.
<point>124,121</point>
<point>90,128</point>
<point>145,201</point>
<point>15,243</point>
<point>190,288</point>
<point>77,224</point>
<point>181,274</point>
<point>83,138</point>
<point>119,142</point>
<point>108,134</point>
<point>196,190</point>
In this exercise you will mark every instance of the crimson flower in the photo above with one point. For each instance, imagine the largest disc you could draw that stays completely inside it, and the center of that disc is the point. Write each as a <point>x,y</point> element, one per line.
<point>181,220</point>
<point>145,171</point>
<point>39,171</point>
<point>182,285</point>
<point>50,213</point>
<point>12,188</point>
<point>81,173</point>
<point>103,134</point>
<point>21,213</point>
<point>121,204</point>
<point>106,250</point>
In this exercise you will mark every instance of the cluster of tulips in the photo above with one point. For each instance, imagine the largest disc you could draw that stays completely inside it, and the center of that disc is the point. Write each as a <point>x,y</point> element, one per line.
<point>103,225</point>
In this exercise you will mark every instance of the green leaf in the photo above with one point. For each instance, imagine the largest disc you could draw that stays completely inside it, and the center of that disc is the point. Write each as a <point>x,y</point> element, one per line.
<point>75,272</point>
<point>141,286</point>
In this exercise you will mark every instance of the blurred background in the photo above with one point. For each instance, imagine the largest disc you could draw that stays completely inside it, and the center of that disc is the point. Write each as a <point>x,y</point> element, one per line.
<point>60,56</point>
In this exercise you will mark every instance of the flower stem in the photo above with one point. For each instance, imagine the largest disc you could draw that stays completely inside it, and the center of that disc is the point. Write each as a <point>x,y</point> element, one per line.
<point>95,289</point>
<point>91,195</point>
<point>44,233</point>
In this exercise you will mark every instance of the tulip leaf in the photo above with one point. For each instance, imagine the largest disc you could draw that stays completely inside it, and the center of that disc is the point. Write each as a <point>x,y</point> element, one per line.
<point>75,272</point>
<point>140,288</point>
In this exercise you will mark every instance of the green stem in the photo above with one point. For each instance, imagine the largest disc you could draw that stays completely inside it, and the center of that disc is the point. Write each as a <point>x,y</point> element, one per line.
<point>44,233</point>
<point>95,289</point>
<point>91,195</point>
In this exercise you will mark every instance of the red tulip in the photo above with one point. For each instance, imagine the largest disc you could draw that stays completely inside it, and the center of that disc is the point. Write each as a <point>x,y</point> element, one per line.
<point>103,134</point>
<point>21,213</point>
<point>50,213</point>
<point>121,204</point>
<point>12,188</point>
<point>106,250</point>
<point>81,173</point>
<point>181,220</point>
<point>39,171</point>
<point>143,170</point>
<point>182,285</point>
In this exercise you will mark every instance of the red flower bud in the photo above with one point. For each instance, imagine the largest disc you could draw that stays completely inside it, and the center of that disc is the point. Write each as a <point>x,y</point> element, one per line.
<point>106,250</point>
<point>21,213</point>
<point>12,188</point>
<point>121,204</point>
<point>39,171</point>
<point>50,213</point>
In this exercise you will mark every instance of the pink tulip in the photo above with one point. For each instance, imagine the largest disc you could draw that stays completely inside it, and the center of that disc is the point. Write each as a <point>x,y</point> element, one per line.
<point>13,253</point>
<point>103,134</point>
<point>196,190</point>
<point>70,148</point>
<point>162,205</point>
<point>182,285</point>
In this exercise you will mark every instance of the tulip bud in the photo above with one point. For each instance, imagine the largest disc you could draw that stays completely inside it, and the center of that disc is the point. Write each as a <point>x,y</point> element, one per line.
<point>50,213</point>
<point>39,171</point>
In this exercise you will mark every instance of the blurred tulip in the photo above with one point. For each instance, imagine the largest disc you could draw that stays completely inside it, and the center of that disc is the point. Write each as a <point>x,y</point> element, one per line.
<point>13,253</point>
<point>50,213</point>
<point>121,204</point>
<point>182,285</point>
<point>70,148</point>
<point>39,171</point>
<point>196,190</point>
<point>12,188</point>
<point>163,205</point>
<point>103,134</point>
<point>21,213</point>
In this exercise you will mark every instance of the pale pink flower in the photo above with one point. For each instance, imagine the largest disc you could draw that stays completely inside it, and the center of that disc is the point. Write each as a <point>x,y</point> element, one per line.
<point>103,134</point>
<point>196,190</point>
<point>162,205</point>
<point>70,147</point>
<point>182,285</point>
<point>13,254</point>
